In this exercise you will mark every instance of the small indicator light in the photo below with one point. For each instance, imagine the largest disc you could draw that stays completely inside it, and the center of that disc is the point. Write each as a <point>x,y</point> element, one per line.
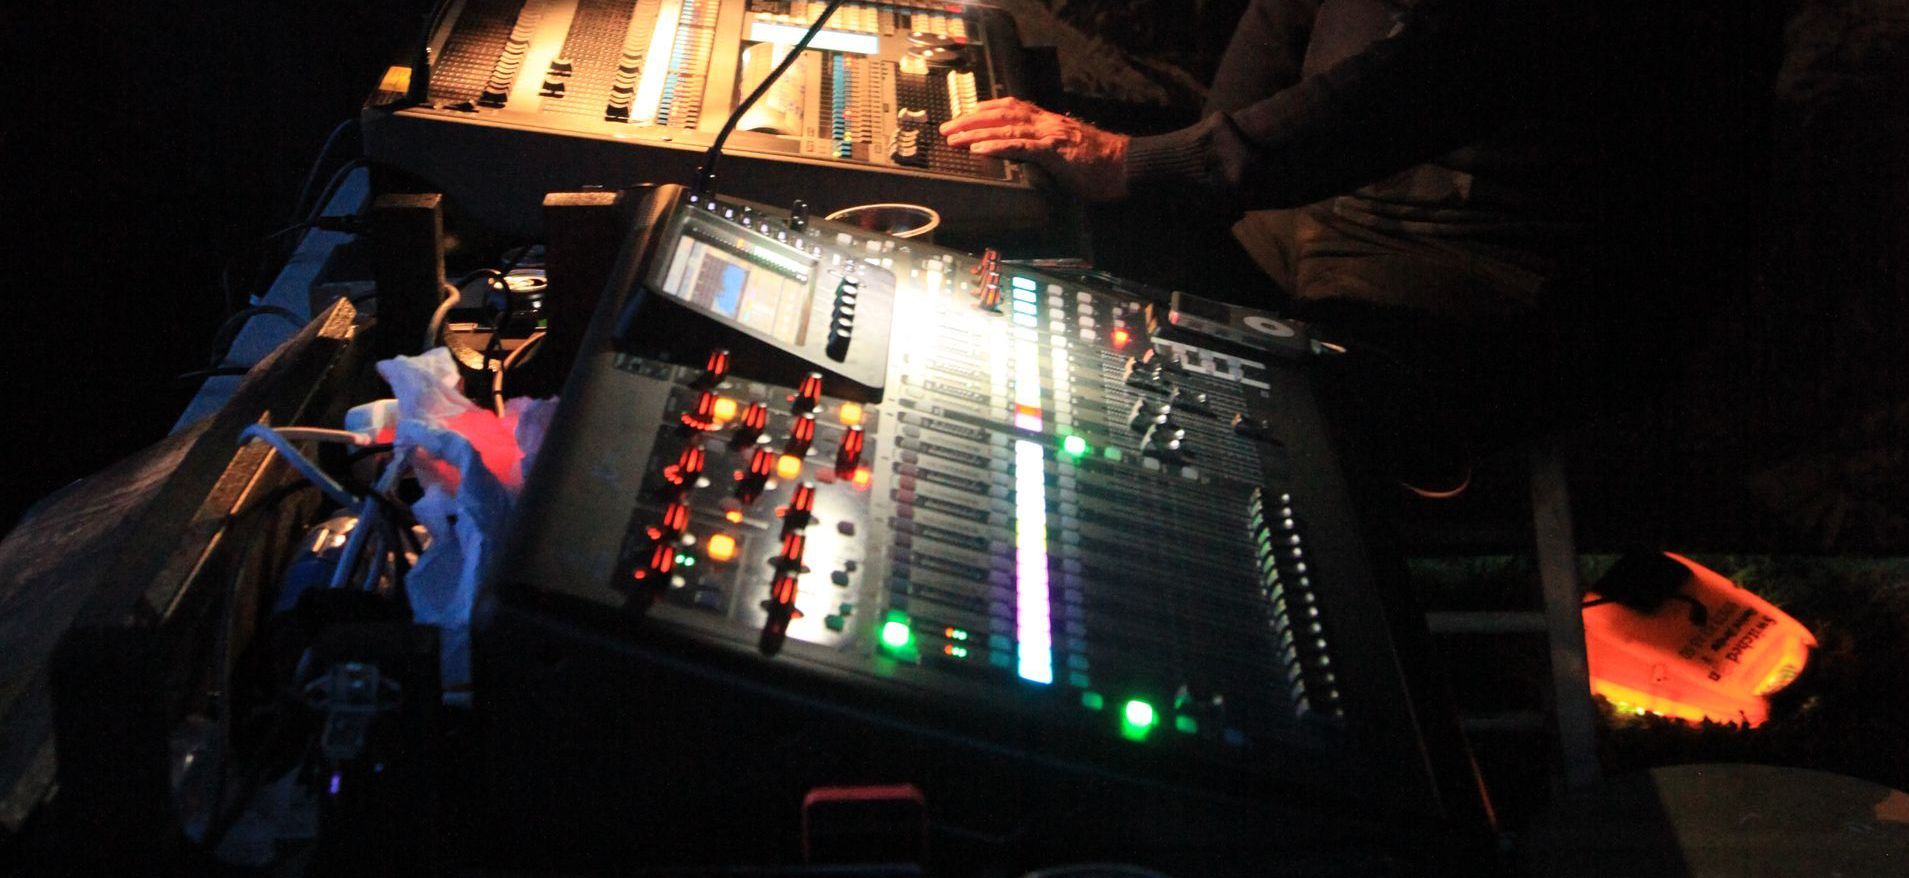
<point>734,516</point>
<point>895,634</point>
<point>850,413</point>
<point>955,633</point>
<point>954,651</point>
<point>1138,717</point>
<point>725,409</point>
<point>685,560</point>
<point>1074,445</point>
<point>788,466</point>
<point>862,477</point>
<point>1121,337</point>
<point>722,547</point>
<point>1092,700</point>
<point>1186,724</point>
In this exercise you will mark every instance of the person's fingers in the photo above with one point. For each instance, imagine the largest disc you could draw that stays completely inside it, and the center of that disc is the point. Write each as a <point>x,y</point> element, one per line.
<point>980,135</point>
<point>1019,149</point>
<point>982,118</point>
<point>1006,103</point>
<point>994,111</point>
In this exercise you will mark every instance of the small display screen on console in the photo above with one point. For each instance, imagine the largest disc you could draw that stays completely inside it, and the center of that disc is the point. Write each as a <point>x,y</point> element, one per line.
<point>754,284</point>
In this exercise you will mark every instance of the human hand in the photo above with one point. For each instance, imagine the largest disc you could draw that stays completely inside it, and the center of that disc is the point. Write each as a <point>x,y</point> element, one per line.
<point>1090,162</point>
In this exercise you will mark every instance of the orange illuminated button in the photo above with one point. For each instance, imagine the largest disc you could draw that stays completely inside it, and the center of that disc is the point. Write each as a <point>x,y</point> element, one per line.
<point>725,409</point>
<point>788,466</point>
<point>850,413</point>
<point>720,547</point>
<point>862,477</point>
<point>1121,337</point>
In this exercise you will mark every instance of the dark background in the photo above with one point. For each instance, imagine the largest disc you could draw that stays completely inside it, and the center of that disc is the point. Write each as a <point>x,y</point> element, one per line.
<point>148,149</point>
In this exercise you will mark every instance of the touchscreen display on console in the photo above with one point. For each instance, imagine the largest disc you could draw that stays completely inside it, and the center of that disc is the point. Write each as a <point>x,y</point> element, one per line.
<point>754,284</point>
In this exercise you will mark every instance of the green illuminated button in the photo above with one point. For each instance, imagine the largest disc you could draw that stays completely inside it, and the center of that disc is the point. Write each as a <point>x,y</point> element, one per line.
<point>1074,445</point>
<point>1139,714</point>
<point>1092,700</point>
<point>1186,724</point>
<point>895,634</point>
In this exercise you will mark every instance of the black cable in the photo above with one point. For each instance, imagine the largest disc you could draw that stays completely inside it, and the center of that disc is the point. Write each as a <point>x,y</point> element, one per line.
<point>185,378</point>
<point>324,152</point>
<point>228,332</point>
<point>705,183</point>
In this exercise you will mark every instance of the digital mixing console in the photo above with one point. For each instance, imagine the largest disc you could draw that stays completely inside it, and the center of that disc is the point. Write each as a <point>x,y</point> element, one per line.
<point>523,97</point>
<point>826,507</point>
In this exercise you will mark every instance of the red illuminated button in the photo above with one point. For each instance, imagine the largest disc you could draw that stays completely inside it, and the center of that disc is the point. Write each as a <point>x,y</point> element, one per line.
<point>850,454</point>
<point>749,482</point>
<point>801,509</point>
<point>754,419</point>
<point>675,519</point>
<point>782,593</point>
<point>687,468</point>
<point>714,368</point>
<point>661,561</point>
<point>991,292</point>
<point>801,435</point>
<point>790,558</point>
<point>809,393</point>
<point>702,416</point>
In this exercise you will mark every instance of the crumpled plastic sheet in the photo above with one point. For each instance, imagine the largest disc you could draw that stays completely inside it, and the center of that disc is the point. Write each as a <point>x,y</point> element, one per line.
<point>471,464</point>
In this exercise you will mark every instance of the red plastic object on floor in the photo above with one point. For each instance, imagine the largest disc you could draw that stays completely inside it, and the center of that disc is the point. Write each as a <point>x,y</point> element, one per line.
<point>1710,650</point>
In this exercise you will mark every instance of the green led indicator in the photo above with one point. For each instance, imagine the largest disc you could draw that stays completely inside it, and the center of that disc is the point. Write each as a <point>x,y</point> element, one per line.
<point>1137,720</point>
<point>1186,724</point>
<point>958,651</point>
<point>957,634</point>
<point>685,560</point>
<point>1074,445</point>
<point>1092,700</point>
<point>895,634</point>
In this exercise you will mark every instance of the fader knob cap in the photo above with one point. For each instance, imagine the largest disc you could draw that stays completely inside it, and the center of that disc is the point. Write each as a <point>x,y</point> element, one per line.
<point>849,455</point>
<point>808,394</point>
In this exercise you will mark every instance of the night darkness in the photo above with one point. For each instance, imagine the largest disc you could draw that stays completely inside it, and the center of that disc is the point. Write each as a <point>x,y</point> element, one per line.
<point>149,150</point>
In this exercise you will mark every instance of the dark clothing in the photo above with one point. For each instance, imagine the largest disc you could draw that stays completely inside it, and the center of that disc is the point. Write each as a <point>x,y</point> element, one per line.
<point>1498,141</point>
<point>1515,200</point>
